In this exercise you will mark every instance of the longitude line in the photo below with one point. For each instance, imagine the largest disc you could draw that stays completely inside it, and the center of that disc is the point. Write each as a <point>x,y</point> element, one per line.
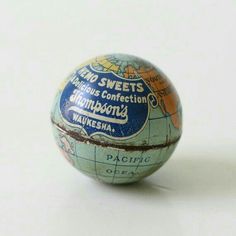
<point>113,178</point>
<point>131,177</point>
<point>95,162</point>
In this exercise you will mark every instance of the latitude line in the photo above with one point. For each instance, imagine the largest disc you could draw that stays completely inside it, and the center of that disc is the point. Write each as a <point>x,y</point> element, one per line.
<point>105,163</point>
<point>169,115</point>
<point>107,176</point>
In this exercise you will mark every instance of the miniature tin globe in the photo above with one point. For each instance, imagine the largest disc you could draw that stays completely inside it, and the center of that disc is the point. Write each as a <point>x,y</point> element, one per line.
<point>117,118</point>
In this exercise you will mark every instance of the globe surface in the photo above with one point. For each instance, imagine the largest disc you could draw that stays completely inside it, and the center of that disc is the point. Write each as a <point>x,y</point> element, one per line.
<point>117,118</point>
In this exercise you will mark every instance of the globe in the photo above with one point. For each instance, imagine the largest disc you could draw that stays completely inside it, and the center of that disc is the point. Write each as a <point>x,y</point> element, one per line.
<point>117,118</point>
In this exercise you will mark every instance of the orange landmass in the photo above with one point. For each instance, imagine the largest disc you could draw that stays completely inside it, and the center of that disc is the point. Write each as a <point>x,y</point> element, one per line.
<point>162,88</point>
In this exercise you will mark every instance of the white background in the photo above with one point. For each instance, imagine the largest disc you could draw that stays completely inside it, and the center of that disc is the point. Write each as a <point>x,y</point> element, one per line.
<point>193,42</point>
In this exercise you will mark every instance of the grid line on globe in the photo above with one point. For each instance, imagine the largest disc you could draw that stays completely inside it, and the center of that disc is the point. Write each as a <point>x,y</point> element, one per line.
<point>136,142</point>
